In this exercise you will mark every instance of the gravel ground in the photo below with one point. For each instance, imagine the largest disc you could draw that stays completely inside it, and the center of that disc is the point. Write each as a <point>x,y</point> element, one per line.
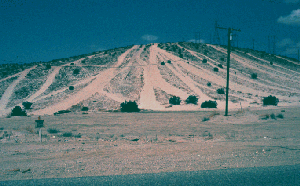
<point>147,142</point>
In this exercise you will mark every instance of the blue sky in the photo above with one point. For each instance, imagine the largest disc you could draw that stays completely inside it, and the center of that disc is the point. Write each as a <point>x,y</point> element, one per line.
<point>42,30</point>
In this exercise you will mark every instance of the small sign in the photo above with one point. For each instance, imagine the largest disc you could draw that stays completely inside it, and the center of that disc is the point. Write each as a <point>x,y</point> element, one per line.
<point>39,123</point>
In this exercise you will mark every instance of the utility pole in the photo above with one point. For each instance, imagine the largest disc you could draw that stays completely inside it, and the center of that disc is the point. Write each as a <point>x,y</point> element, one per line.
<point>228,62</point>
<point>216,34</point>
<point>274,44</point>
<point>269,46</point>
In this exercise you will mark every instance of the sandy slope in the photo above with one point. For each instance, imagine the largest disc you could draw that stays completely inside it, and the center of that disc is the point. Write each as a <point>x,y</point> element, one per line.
<point>7,94</point>
<point>138,75</point>
<point>96,86</point>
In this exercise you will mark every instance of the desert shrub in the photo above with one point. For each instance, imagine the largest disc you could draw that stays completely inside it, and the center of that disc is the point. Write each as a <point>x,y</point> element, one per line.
<point>52,130</point>
<point>272,116</point>
<point>204,61</point>
<point>265,117</point>
<point>48,66</point>
<point>209,104</point>
<point>280,116</point>
<point>77,135</point>
<point>220,91</point>
<point>192,99</point>
<point>205,119</point>
<point>174,100</point>
<point>27,104</point>
<point>270,100</point>
<point>209,84</point>
<point>220,65</point>
<point>17,111</point>
<point>216,69</point>
<point>62,112</point>
<point>169,61</point>
<point>130,106</point>
<point>71,87</point>
<point>67,134</point>
<point>76,71</point>
<point>254,75</point>
<point>85,109</point>
<point>162,63</point>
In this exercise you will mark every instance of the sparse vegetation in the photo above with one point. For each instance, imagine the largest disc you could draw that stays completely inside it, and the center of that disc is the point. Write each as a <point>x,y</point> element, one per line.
<point>27,105</point>
<point>273,116</point>
<point>209,104</point>
<point>52,130</point>
<point>280,116</point>
<point>254,75</point>
<point>67,134</point>
<point>205,119</point>
<point>62,112</point>
<point>216,69</point>
<point>85,109</point>
<point>130,106</point>
<point>270,100</point>
<point>17,111</point>
<point>76,71</point>
<point>48,66</point>
<point>220,91</point>
<point>192,99</point>
<point>174,100</point>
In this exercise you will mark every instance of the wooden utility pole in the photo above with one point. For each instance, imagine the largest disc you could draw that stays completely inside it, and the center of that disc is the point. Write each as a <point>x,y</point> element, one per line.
<point>228,62</point>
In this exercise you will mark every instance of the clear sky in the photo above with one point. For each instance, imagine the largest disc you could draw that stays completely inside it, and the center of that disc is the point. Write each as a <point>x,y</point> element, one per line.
<point>42,30</point>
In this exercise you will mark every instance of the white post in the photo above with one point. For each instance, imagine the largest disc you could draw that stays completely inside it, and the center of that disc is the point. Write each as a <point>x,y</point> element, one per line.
<point>40,134</point>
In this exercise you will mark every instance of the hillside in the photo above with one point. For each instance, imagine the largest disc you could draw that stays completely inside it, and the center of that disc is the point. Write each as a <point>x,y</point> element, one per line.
<point>103,80</point>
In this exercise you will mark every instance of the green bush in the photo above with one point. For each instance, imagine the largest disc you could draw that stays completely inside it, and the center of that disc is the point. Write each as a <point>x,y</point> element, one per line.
<point>204,61</point>
<point>209,104</point>
<point>130,106</point>
<point>254,75</point>
<point>192,99</point>
<point>67,134</point>
<point>52,130</point>
<point>209,84</point>
<point>270,100</point>
<point>174,100</point>
<point>27,104</point>
<point>17,111</point>
<point>76,71</point>
<point>216,69</point>
<point>220,91</point>
<point>85,109</point>
<point>71,87</point>
<point>162,63</point>
<point>220,65</point>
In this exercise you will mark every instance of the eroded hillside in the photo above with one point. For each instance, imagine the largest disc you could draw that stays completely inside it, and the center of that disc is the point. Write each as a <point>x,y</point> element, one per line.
<point>150,75</point>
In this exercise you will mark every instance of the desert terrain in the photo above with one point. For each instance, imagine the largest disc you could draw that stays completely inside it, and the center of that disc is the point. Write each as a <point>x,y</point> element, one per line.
<point>115,143</point>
